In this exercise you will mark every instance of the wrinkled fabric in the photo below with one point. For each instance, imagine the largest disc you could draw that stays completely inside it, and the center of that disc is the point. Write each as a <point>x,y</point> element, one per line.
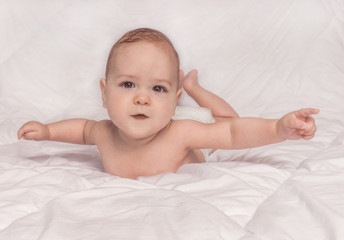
<point>265,58</point>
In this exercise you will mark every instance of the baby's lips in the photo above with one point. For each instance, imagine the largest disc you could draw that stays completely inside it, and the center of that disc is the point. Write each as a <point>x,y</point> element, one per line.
<point>140,116</point>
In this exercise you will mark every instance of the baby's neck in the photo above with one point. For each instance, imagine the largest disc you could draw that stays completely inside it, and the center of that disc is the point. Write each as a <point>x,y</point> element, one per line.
<point>133,142</point>
<point>129,141</point>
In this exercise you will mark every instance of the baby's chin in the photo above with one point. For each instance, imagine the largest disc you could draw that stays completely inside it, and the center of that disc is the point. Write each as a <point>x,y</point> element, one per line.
<point>143,128</point>
<point>138,137</point>
<point>138,133</point>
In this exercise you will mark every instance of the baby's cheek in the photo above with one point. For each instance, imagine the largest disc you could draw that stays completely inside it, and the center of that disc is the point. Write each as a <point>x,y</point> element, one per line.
<point>113,114</point>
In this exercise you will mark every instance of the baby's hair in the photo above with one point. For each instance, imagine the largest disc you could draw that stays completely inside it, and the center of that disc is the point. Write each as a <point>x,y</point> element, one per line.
<point>142,35</point>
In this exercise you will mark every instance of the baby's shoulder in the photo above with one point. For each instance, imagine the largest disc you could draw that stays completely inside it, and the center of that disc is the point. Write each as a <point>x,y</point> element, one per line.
<point>185,125</point>
<point>105,125</point>
<point>101,127</point>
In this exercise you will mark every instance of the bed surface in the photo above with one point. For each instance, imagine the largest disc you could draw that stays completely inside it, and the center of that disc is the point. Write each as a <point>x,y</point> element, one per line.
<point>265,58</point>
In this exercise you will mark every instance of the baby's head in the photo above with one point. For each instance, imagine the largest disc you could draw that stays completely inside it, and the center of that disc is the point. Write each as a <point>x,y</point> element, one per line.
<point>142,84</point>
<point>144,35</point>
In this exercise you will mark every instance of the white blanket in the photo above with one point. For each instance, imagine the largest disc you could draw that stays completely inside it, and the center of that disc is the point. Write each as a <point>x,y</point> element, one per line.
<point>265,58</point>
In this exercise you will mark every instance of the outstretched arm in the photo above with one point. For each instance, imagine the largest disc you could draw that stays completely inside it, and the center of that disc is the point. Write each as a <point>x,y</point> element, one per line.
<point>238,133</point>
<point>258,132</point>
<point>70,131</point>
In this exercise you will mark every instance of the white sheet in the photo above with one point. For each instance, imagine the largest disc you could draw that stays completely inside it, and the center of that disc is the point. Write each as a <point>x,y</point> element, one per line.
<point>264,57</point>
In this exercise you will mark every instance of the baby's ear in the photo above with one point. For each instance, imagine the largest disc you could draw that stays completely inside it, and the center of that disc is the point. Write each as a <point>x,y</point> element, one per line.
<point>180,84</point>
<point>181,78</point>
<point>103,90</point>
<point>179,93</point>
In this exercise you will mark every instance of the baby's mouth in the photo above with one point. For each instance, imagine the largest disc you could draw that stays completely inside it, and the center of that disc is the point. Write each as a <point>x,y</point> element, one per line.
<point>139,116</point>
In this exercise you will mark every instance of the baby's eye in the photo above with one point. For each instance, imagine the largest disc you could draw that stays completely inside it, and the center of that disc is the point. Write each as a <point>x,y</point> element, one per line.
<point>159,89</point>
<point>128,84</point>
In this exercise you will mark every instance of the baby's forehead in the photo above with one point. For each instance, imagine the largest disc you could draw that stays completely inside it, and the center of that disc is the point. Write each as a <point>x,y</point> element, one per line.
<point>163,47</point>
<point>121,50</point>
<point>144,35</point>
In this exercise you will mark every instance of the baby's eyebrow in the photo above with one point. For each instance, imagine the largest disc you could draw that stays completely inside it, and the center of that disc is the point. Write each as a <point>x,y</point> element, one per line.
<point>164,81</point>
<point>126,76</point>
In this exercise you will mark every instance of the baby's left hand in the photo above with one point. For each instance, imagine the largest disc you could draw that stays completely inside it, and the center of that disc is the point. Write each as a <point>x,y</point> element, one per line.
<point>298,124</point>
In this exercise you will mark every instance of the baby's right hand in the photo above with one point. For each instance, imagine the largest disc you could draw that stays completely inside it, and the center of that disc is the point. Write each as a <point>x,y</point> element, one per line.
<point>34,131</point>
<point>298,124</point>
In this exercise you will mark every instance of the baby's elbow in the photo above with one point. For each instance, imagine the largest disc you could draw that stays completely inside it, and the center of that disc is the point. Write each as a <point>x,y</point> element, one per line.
<point>87,133</point>
<point>235,115</point>
<point>225,136</point>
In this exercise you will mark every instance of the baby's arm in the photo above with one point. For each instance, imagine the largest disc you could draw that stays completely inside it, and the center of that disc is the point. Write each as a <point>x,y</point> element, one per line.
<point>238,133</point>
<point>258,132</point>
<point>71,131</point>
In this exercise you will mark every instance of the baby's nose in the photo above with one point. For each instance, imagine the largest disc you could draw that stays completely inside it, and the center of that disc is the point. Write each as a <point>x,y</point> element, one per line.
<point>142,99</point>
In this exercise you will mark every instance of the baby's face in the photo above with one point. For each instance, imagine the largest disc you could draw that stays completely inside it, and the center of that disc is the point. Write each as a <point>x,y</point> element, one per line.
<point>140,93</point>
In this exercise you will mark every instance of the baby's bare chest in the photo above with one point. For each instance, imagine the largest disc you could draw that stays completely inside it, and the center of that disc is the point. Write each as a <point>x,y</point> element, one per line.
<point>150,161</point>
<point>147,160</point>
<point>164,154</point>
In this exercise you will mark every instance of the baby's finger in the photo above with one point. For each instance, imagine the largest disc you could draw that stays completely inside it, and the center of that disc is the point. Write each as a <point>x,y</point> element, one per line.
<point>310,122</point>
<point>301,132</point>
<point>31,135</point>
<point>296,123</point>
<point>308,133</point>
<point>21,132</point>
<point>305,112</point>
<point>24,130</point>
<point>19,135</point>
<point>308,137</point>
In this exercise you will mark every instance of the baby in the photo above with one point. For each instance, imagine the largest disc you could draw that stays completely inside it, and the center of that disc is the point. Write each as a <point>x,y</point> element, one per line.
<point>140,92</point>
